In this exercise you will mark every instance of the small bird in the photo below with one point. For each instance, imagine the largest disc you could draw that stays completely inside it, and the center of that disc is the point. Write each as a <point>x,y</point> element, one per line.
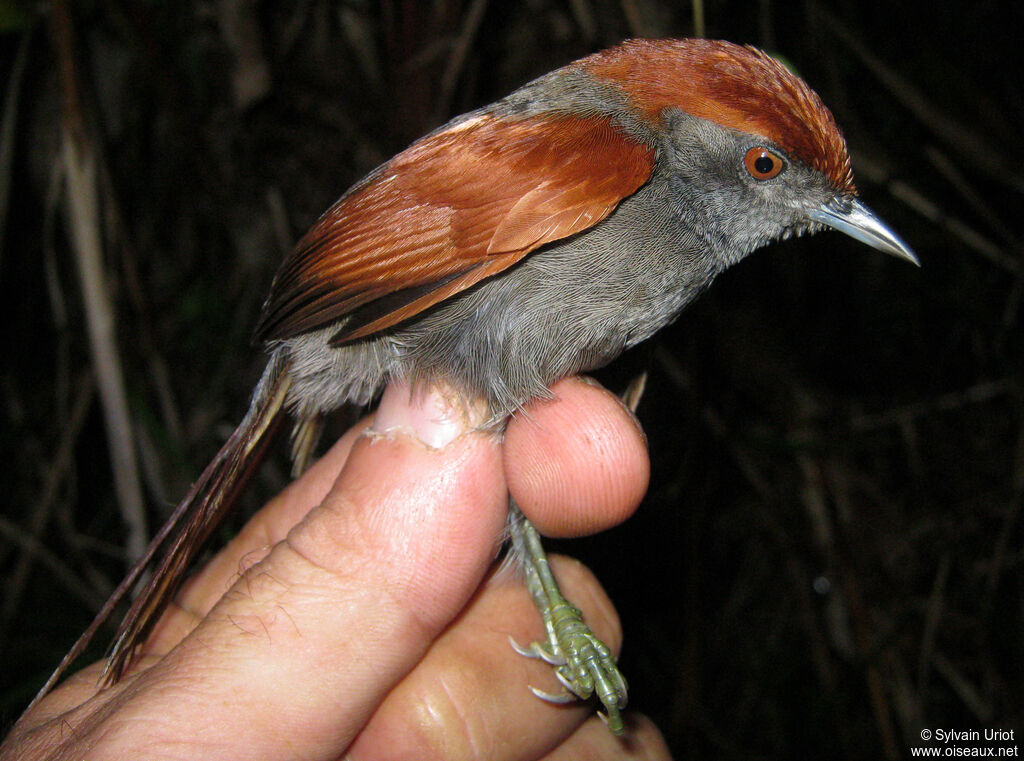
<point>526,241</point>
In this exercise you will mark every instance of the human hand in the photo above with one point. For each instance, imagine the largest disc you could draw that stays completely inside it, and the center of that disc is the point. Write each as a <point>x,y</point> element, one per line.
<point>348,617</point>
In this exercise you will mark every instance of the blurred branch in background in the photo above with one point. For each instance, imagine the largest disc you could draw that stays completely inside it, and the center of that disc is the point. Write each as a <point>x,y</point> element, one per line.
<point>12,100</point>
<point>79,162</point>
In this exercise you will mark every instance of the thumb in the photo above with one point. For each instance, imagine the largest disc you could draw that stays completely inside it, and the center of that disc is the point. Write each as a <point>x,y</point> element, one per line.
<point>295,658</point>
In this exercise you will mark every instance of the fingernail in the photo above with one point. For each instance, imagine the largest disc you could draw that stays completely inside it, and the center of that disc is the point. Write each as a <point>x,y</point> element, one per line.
<point>433,415</point>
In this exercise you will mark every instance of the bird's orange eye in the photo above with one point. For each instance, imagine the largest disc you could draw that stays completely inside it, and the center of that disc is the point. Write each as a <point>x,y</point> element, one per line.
<point>763,164</point>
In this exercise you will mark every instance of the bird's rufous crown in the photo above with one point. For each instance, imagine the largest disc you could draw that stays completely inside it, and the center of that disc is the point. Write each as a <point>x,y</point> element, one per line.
<point>739,87</point>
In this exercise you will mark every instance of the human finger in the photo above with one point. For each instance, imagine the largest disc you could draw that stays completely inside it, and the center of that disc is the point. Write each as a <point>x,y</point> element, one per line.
<point>577,463</point>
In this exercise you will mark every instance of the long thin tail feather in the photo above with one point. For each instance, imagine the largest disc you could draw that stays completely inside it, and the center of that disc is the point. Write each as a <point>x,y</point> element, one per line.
<point>182,536</point>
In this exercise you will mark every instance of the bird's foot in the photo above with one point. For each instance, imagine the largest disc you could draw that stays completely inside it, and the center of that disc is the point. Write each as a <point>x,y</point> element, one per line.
<point>582,663</point>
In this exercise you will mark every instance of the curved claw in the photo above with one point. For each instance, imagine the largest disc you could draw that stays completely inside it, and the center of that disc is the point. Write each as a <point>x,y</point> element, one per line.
<point>526,652</point>
<point>537,650</point>
<point>550,697</point>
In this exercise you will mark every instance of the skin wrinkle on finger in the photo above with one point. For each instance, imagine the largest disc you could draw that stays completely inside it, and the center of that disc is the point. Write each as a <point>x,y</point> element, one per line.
<point>95,721</point>
<point>390,561</point>
<point>452,504</point>
<point>64,724</point>
<point>441,722</point>
<point>238,681</point>
<point>265,529</point>
<point>427,513</point>
<point>200,593</point>
<point>417,719</point>
<point>441,708</point>
<point>262,532</point>
<point>382,522</point>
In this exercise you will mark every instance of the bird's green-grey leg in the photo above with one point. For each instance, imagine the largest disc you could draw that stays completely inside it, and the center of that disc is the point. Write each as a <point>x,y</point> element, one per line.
<point>582,662</point>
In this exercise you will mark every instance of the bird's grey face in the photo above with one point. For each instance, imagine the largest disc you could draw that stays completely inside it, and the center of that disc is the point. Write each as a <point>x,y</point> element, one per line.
<point>740,192</point>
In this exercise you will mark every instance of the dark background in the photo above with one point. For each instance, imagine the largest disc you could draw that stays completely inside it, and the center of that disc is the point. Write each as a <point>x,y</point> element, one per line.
<point>830,555</point>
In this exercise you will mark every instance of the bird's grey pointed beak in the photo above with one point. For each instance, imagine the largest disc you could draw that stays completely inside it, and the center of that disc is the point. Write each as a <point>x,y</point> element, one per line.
<point>850,216</point>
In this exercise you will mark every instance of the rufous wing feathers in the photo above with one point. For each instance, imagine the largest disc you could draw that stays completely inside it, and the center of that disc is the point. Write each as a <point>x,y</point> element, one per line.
<point>454,208</point>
